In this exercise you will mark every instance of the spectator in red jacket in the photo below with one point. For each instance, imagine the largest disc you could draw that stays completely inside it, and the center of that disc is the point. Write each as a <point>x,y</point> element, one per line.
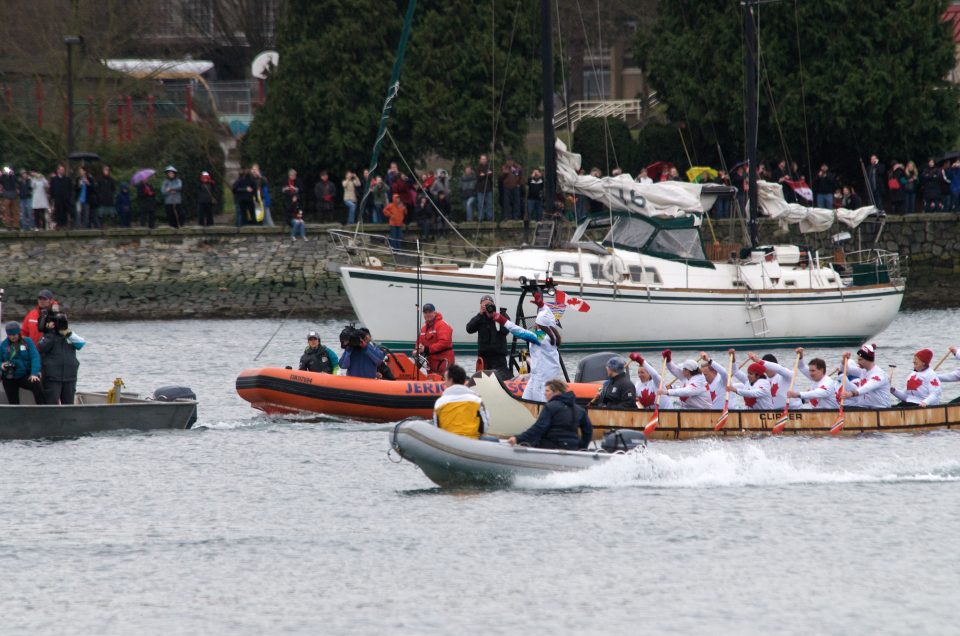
<point>436,340</point>
<point>32,326</point>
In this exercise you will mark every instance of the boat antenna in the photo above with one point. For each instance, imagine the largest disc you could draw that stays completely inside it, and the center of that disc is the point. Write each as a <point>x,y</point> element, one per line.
<point>416,366</point>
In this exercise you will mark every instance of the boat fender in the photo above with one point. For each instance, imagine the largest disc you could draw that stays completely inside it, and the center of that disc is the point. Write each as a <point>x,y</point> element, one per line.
<point>620,440</point>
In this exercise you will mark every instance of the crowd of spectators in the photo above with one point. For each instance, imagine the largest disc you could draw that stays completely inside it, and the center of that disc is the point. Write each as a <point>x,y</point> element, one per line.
<point>31,200</point>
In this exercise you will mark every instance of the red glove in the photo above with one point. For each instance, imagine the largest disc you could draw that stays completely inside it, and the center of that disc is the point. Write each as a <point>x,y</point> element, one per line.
<point>538,299</point>
<point>636,357</point>
<point>668,355</point>
<point>498,317</point>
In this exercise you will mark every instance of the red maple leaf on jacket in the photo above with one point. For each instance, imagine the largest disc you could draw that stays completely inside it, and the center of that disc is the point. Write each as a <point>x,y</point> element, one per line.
<point>935,382</point>
<point>647,397</point>
<point>814,401</point>
<point>914,383</point>
<point>749,401</point>
<point>713,396</point>
<point>875,378</point>
<point>774,387</point>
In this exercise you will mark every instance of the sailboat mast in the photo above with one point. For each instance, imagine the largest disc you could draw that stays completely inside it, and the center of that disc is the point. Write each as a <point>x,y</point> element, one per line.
<point>751,108</point>
<point>549,154</point>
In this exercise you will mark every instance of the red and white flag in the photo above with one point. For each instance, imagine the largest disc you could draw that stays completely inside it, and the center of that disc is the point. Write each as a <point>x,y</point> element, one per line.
<point>562,298</point>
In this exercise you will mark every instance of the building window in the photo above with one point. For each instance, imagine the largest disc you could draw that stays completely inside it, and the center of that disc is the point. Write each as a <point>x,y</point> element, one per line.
<point>596,84</point>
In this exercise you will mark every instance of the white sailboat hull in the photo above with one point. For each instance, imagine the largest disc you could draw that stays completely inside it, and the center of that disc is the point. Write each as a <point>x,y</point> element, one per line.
<point>630,316</point>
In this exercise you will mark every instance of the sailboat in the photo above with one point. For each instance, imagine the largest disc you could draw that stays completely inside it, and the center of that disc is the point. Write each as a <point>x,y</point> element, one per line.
<point>642,267</point>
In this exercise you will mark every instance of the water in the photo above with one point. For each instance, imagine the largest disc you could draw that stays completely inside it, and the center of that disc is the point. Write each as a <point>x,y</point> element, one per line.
<point>254,525</point>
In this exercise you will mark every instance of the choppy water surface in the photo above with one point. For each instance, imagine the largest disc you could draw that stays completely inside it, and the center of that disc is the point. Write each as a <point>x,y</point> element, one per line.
<point>257,525</point>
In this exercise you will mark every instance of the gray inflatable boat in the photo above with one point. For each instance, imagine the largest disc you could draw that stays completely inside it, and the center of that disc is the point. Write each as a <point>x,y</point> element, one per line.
<point>454,461</point>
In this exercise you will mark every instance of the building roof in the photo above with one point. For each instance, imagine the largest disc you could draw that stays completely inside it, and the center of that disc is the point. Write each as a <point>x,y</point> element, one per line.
<point>161,69</point>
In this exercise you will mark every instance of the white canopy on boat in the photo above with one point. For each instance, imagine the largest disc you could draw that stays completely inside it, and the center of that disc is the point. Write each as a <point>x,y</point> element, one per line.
<point>678,198</point>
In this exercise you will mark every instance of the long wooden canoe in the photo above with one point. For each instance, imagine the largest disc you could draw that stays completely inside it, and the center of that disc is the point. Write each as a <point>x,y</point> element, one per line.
<point>511,415</point>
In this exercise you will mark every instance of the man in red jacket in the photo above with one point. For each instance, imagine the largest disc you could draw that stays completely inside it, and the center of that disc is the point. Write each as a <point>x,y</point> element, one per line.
<point>32,326</point>
<point>436,340</point>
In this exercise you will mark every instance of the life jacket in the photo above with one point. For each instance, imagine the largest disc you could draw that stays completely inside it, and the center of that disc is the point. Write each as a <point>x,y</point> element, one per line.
<point>460,411</point>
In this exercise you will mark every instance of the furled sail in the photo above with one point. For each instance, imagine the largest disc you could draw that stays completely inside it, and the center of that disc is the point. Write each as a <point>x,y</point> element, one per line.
<point>669,198</point>
<point>772,204</point>
<point>678,198</point>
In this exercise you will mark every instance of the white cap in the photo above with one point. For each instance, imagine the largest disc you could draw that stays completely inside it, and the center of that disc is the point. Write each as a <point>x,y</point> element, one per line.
<point>545,318</point>
<point>689,365</point>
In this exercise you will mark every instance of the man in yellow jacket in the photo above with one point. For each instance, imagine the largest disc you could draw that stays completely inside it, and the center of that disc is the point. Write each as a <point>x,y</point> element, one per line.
<point>459,410</point>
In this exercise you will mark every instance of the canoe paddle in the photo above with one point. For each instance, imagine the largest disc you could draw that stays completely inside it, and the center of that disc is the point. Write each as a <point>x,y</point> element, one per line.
<point>838,424</point>
<point>726,400</point>
<point>782,422</point>
<point>945,356</point>
<point>652,424</point>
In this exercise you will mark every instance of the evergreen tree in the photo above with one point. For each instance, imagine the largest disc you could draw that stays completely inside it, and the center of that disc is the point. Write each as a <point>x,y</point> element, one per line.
<point>873,78</point>
<point>325,97</point>
<point>606,145</point>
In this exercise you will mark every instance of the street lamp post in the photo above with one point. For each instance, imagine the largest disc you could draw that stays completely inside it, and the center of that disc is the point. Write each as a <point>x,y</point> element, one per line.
<point>70,41</point>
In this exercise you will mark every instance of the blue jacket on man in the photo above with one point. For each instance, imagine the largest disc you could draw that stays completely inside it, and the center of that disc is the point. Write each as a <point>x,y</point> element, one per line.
<point>558,424</point>
<point>361,362</point>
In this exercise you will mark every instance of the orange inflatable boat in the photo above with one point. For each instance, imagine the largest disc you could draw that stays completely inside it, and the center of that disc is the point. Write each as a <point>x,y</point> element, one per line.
<point>278,390</point>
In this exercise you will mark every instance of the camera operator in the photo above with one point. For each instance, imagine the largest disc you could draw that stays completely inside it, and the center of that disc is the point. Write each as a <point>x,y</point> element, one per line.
<point>58,350</point>
<point>20,365</point>
<point>491,338</point>
<point>361,358</point>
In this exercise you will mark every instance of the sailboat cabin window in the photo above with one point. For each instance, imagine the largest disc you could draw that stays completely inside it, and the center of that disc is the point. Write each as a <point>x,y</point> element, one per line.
<point>628,233</point>
<point>684,243</point>
<point>565,269</point>
<point>645,275</point>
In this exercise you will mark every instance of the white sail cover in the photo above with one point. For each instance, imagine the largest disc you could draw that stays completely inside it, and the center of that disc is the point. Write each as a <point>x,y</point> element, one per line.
<point>772,204</point>
<point>669,198</point>
<point>678,198</point>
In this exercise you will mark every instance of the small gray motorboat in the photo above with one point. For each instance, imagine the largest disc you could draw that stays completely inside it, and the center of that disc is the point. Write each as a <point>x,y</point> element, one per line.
<point>93,412</point>
<point>453,461</point>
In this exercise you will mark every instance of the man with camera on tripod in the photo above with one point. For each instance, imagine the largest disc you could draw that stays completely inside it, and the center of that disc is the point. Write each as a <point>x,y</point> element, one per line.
<point>491,338</point>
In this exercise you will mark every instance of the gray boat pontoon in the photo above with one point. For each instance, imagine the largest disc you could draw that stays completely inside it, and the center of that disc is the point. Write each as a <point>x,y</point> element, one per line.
<point>451,460</point>
<point>168,408</point>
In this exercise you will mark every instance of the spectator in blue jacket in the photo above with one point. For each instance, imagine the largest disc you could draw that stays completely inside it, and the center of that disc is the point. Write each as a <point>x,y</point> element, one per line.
<point>20,365</point>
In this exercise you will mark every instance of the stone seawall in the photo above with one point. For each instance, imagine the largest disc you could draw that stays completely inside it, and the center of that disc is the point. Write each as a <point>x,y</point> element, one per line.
<point>260,272</point>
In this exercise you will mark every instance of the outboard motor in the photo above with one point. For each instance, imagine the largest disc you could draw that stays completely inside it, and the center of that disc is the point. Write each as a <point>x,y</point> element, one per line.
<point>177,393</point>
<point>623,440</point>
<point>593,368</point>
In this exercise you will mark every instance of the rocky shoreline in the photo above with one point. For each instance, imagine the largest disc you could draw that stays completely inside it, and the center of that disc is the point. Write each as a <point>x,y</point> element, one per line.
<point>225,272</point>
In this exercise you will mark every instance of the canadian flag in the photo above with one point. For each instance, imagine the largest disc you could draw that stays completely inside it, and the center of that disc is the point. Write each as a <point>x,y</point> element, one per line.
<point>561,298</point>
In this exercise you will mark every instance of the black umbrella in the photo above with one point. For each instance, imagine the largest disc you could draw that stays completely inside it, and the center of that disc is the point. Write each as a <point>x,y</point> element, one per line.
<point>949,156</point>
<point>83,155</point>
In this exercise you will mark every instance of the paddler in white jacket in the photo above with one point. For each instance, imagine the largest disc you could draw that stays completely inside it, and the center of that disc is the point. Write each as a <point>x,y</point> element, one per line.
<point>871,389</point>
<point>693,393</point>
<point>779,377</point>
<point>717,380</point>
<point>822,395</point>
<point>923,386</point>
<point>953,376</point>
<point>544,349</point>
<point>648,383</point>
<point>756,390</point>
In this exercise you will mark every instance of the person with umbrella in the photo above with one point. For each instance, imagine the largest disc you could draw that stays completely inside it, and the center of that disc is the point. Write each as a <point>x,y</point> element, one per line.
<point>172,198</point>
<point>146,198</point>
